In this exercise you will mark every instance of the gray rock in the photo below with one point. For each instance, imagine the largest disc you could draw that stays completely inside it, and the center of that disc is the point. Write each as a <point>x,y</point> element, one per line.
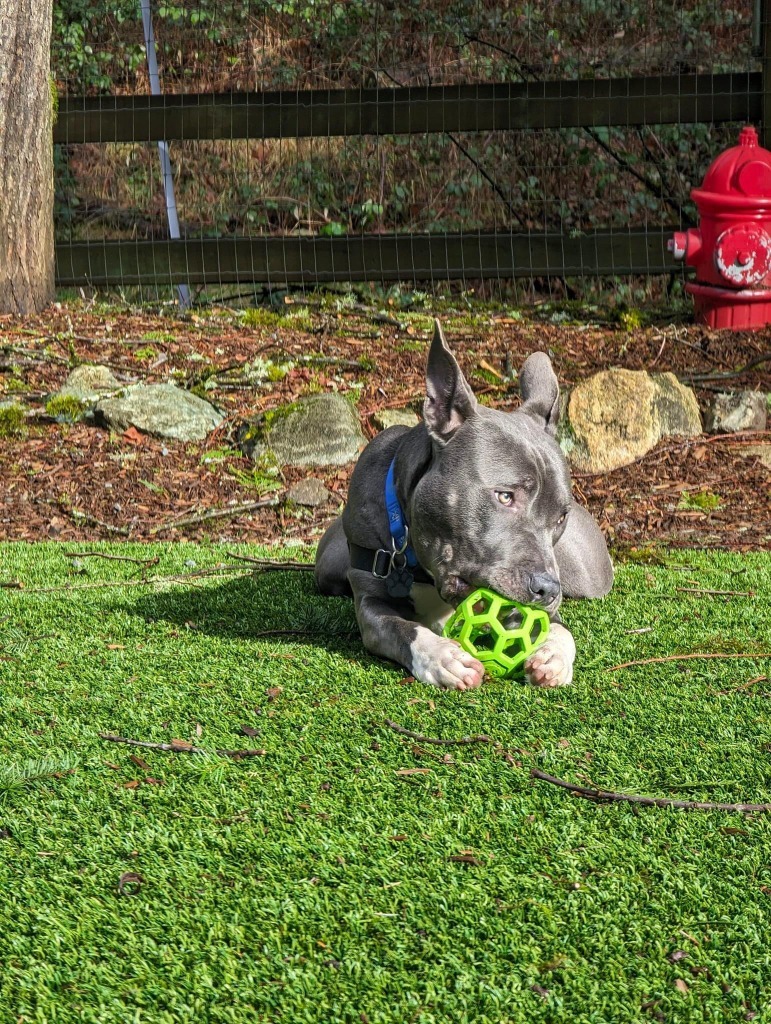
<point>733,411</point>
<point>322,430</point>
<point>616,416</point>
<point>88,383</point>
<point>160,409</point>
<point>760,451</point>
<point>309,492</point>
<point>395,418</point>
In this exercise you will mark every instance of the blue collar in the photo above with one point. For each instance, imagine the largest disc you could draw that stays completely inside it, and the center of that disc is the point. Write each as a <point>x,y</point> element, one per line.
<point>400,532</point>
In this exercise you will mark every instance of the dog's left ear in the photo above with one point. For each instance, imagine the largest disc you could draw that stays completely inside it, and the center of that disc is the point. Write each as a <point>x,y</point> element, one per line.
<point>449,399</point>
<point>540,391</point>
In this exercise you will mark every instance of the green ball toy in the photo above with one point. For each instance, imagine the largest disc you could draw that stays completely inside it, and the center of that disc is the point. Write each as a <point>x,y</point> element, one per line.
<point>478,626</point>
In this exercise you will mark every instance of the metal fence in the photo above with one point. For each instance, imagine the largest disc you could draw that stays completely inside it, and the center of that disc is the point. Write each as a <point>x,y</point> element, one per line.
<point>383,140</point>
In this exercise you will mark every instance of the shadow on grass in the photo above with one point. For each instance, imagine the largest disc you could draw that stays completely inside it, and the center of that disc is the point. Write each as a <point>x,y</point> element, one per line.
<point>271,606</point>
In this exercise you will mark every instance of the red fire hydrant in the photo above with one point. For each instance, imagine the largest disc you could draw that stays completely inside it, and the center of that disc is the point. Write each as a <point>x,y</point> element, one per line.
<point>732,249</point>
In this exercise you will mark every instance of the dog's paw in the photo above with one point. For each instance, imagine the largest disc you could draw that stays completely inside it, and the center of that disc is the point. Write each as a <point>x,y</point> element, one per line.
<point>552,663</point>
<point>444,663</point>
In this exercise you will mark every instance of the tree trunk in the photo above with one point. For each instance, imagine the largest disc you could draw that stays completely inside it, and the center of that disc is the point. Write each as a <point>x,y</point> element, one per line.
<point>26,157</point>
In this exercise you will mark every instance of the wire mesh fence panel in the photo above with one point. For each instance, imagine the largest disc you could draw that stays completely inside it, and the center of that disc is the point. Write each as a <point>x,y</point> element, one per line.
<point>542,144</point>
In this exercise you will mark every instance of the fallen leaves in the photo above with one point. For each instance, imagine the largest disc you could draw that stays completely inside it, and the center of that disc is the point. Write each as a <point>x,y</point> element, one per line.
<point>676,955</point>
<point>466,858</point>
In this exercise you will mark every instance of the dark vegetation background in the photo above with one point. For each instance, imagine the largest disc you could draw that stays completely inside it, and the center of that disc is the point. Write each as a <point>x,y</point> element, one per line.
<point>570,180</point>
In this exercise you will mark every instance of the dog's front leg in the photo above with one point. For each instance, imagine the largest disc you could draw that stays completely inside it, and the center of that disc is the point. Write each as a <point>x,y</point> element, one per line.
<point>387,632</point>
<point>551,664</point>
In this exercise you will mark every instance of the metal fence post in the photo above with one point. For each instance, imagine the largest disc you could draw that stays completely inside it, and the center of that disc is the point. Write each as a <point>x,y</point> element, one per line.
<point>762,40</point>
<point>183,291</point>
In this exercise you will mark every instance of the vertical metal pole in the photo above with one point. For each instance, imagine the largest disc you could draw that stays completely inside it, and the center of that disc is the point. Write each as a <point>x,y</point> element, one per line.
<point>762,33</point>
<point>163,147</point>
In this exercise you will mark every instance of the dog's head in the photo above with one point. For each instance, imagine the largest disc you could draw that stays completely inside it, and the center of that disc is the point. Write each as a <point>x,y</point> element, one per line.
<point>496,497</point>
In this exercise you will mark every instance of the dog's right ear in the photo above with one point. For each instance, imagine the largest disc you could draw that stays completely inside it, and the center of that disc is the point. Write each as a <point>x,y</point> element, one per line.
<point>540,391</point>
<point>449,399</point>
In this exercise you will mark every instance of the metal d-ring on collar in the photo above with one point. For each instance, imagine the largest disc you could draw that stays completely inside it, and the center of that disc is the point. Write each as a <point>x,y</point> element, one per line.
<point>393,557</point>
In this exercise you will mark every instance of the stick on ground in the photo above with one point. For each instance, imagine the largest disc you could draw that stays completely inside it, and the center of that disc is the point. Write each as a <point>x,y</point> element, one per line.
<point>273,564</point>
<point>112,558</point>
<point>601,795</point>
<point>179,747</point>
<point>213,513</point>
<point>433,739</point>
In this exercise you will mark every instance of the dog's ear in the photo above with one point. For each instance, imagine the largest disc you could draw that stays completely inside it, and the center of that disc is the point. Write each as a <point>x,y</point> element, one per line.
<point>449,400</point>
<point>540,391</point>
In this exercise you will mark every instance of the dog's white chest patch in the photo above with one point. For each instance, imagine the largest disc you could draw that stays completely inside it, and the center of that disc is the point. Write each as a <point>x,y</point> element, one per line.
<point>430,609</point>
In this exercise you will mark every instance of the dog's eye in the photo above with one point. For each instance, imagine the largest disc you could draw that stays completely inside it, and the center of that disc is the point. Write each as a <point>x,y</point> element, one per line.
<point>505,497</point>
<point>562,519</point>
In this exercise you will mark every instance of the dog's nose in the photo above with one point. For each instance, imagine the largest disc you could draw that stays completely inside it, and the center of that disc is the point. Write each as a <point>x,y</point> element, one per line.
<point>543,588</point>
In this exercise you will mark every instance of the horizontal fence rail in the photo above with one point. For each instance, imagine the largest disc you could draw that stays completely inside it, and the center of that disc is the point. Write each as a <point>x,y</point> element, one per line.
<point>362,258</point>
<point>587,103</point>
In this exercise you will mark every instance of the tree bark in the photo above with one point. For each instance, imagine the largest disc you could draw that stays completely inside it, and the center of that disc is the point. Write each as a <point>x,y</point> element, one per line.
<point>26,157</point>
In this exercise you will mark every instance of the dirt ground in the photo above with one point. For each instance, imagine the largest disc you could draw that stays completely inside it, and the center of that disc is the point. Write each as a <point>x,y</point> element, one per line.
<point>78,481</point>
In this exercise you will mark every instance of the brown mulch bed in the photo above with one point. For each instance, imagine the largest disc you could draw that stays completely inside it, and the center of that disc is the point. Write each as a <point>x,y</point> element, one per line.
<point>80,482</point>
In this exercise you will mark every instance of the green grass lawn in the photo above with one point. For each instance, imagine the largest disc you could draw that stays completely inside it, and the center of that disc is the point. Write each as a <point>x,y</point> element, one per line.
<point>316,883</point>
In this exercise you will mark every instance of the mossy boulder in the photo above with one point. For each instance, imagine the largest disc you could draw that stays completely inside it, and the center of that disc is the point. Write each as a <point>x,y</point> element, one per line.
<point>321,430</point>
<point>616,416</point>
<point>162,410</point>
<point>386,418</point>
<point>734,411</point>
<point>87,384</point>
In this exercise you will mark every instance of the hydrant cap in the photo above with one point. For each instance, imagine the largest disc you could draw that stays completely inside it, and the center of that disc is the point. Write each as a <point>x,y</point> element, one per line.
<point>743,170</point>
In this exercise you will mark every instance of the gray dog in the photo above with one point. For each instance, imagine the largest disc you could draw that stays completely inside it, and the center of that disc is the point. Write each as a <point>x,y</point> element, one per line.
<point>471,497</point>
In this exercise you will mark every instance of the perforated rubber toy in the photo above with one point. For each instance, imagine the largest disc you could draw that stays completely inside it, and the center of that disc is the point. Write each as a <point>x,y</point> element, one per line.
<point>499,632</point>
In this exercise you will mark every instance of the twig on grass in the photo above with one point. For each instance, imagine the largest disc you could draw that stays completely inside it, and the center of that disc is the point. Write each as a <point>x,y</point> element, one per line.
<point>180,747</point>
<point>273,564</point>
<point>305,632</point>
<point>721,593</point>
<point>747,685</point>
<point>588,793</point>
<point>435,740</point>
<point>214,513</point>
<point>145,581</point>
<point>682,657</point>
<point>112,558</point>
<point>648,801</point>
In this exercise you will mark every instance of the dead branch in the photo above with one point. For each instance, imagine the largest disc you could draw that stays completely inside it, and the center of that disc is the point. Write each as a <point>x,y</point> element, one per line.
<point>305,632</point>
<point>112,558</point>
<point>600,795</point>
<point>179,747</point>
<point>146,581</point>
<point>720,593</point>
<point>214,513</point>
<point>435,740</point>
<point>85,517</point>
<point>273,564</point>
<point>682,657</point>
<point>698,378</point>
